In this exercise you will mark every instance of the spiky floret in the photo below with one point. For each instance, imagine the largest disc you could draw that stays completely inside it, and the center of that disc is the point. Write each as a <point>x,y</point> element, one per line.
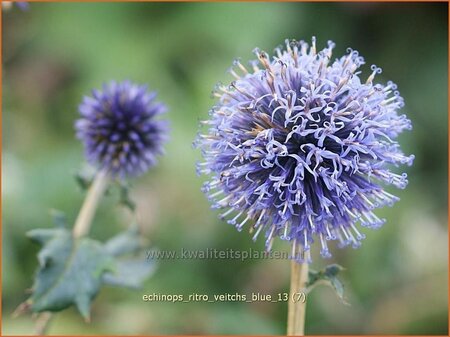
<point>119,129</point>
<point>297,147</point>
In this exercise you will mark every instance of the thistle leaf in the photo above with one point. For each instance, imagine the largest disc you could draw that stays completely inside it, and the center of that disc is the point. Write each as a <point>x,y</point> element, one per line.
<point>126,242</point>
<point>124,197</point>
<point>132,271</point>
<point>328,276</point>
<point>70,271</point>
<point>338,288</point>
<point>59,218</point>
<point>84,179</point>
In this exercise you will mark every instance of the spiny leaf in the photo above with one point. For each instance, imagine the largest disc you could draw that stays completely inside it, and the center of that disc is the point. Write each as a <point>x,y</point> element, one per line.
<point>42,235</point>
<point>124,196</point>
<point>338,287</point>
<point>333,270</point>
<point>59,218</point>
<point>130,272</point>
<point>84,179</point>
<point>328,276</point>
<point>70,271</point>
<point>126,242</point>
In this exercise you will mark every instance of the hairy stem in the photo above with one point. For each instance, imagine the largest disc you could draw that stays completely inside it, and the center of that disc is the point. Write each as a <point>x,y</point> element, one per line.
<point>94,194</point>
<point>296,306</point>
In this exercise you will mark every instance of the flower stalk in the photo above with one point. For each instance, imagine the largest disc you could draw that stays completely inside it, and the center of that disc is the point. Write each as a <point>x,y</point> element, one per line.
<point>297,307</point>
<point>94,194</point>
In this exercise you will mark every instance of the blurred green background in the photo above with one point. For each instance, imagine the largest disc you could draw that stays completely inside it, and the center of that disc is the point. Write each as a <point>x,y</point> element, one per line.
<point>54,53</point>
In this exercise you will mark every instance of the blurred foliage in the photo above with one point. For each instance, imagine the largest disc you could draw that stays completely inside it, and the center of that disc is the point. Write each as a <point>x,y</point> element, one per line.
<point>71,272</point>
<point>54,53</point>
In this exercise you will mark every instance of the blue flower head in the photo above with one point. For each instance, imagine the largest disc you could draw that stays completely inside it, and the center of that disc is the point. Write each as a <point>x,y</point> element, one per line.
<point>298,146</point>
<point>119,129</point>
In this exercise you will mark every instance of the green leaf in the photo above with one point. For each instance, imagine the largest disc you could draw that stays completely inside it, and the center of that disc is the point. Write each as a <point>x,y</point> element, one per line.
<point>124,197</point>
<point>131,271</point>
<point>59,218</point>
<point>338,287</point>
<point>333,270</point>
<point>70,271</point>
<point>328,276</point>
<point>126,242</point>
<point>84,179</point>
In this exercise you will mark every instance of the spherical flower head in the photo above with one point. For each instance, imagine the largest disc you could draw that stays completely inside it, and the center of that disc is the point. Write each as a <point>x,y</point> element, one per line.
<point>298,147</point>
<point>120,129</point>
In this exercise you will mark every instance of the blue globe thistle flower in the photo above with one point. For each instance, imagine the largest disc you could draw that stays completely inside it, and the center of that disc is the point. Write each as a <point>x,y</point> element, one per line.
<point>119,129</point>
<point>298,147</point>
